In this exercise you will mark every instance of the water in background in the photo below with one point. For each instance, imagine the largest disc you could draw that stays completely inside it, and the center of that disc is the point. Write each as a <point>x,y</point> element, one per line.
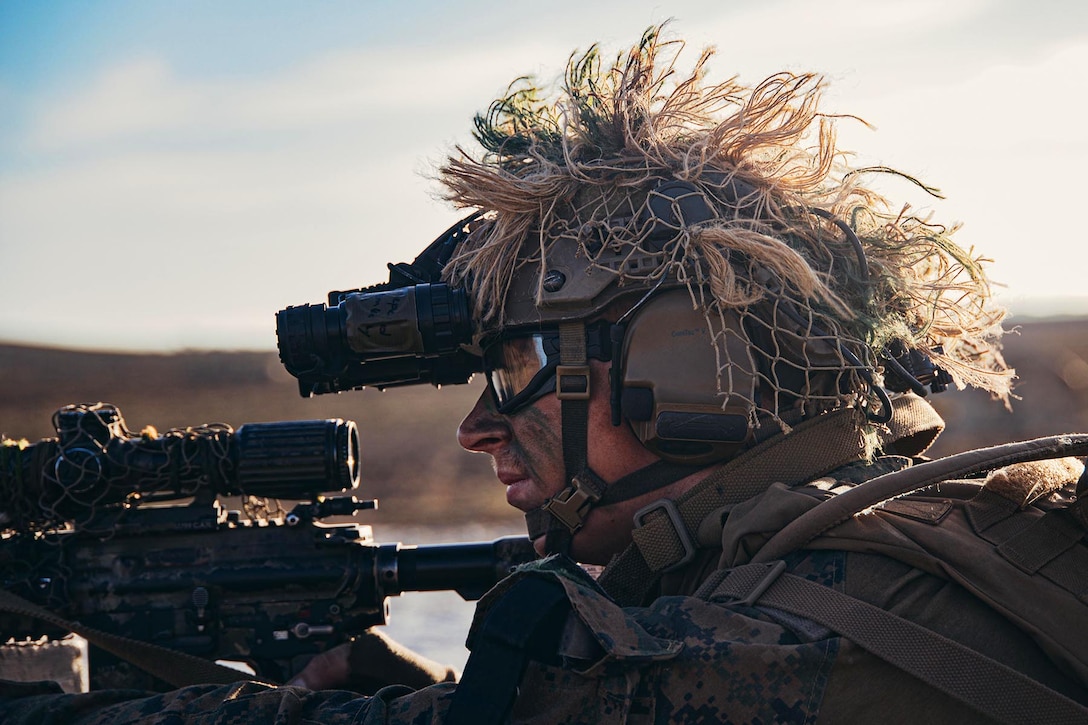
<point>434,624</point>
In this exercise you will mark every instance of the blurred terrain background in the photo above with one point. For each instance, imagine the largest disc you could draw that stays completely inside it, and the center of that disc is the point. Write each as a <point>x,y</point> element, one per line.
<point>410,458</point>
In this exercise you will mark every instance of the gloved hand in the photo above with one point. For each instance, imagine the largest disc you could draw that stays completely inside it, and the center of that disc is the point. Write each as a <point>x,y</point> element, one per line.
<point>368,663</point>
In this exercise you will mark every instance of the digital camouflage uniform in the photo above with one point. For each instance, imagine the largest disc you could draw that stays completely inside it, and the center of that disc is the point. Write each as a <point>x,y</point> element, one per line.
<point>681,658</point>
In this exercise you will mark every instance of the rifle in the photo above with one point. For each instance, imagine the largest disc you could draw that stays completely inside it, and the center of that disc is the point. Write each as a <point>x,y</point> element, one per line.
<point>132,534</point>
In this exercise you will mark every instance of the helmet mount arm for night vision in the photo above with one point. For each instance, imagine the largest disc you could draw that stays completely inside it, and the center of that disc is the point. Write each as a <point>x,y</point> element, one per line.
<point>427,267</point>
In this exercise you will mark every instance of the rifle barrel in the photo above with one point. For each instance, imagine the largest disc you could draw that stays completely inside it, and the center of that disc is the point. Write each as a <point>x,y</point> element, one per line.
<point>470,569</point>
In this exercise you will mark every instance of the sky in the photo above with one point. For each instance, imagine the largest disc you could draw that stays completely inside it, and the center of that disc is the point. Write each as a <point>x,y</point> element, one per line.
<point>173,173</point>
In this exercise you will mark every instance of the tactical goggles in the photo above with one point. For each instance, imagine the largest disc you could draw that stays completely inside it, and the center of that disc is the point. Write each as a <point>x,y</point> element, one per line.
<point>521,366</point>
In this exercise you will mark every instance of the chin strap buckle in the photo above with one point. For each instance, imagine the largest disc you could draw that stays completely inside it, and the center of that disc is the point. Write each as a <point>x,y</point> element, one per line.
<point>571,505</point>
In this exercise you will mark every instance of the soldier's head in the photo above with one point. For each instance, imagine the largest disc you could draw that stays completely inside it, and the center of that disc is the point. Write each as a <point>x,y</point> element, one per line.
<point>671,270</point>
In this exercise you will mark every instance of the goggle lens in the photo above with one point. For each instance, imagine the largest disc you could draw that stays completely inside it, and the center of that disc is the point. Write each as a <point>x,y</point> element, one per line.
<point>521,368</point>
<point>518,370</point>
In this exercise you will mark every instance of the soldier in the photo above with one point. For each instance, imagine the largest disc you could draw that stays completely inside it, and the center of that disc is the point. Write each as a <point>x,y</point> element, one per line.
<point>695,323</point>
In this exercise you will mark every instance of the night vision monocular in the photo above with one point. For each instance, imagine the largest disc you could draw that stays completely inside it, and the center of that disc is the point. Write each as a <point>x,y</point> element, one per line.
<point>403,332</point>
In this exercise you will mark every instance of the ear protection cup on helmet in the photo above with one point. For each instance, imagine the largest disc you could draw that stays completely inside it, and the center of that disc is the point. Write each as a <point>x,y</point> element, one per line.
<point>671,394</point>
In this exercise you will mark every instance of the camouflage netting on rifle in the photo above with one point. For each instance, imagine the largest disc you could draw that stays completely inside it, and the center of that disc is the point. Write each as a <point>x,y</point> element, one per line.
<point>823,276</point>
<point>97,471</point>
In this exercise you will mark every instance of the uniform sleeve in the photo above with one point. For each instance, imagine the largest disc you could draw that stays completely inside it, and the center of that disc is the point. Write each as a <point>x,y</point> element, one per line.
<point>247,702</point>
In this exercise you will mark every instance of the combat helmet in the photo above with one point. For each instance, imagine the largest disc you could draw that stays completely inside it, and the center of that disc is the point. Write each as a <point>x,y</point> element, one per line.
<point>736,279</point>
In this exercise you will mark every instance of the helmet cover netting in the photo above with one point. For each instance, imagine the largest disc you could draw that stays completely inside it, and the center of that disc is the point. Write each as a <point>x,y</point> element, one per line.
<point>581,167</point>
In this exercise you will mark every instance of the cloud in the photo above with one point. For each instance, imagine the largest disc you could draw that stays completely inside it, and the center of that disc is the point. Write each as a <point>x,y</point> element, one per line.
<point>1003,143</point>
<point>791,23</point>
<point>130,98</point>
<point>171,196</point>
<point>143,101</point>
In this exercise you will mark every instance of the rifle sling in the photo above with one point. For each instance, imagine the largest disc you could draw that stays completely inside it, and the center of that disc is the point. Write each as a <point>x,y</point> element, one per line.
<point>177,668</point>
<point>978,681</point>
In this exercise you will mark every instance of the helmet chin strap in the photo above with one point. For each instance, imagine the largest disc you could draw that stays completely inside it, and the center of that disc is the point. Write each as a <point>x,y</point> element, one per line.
<point>560,518</point>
